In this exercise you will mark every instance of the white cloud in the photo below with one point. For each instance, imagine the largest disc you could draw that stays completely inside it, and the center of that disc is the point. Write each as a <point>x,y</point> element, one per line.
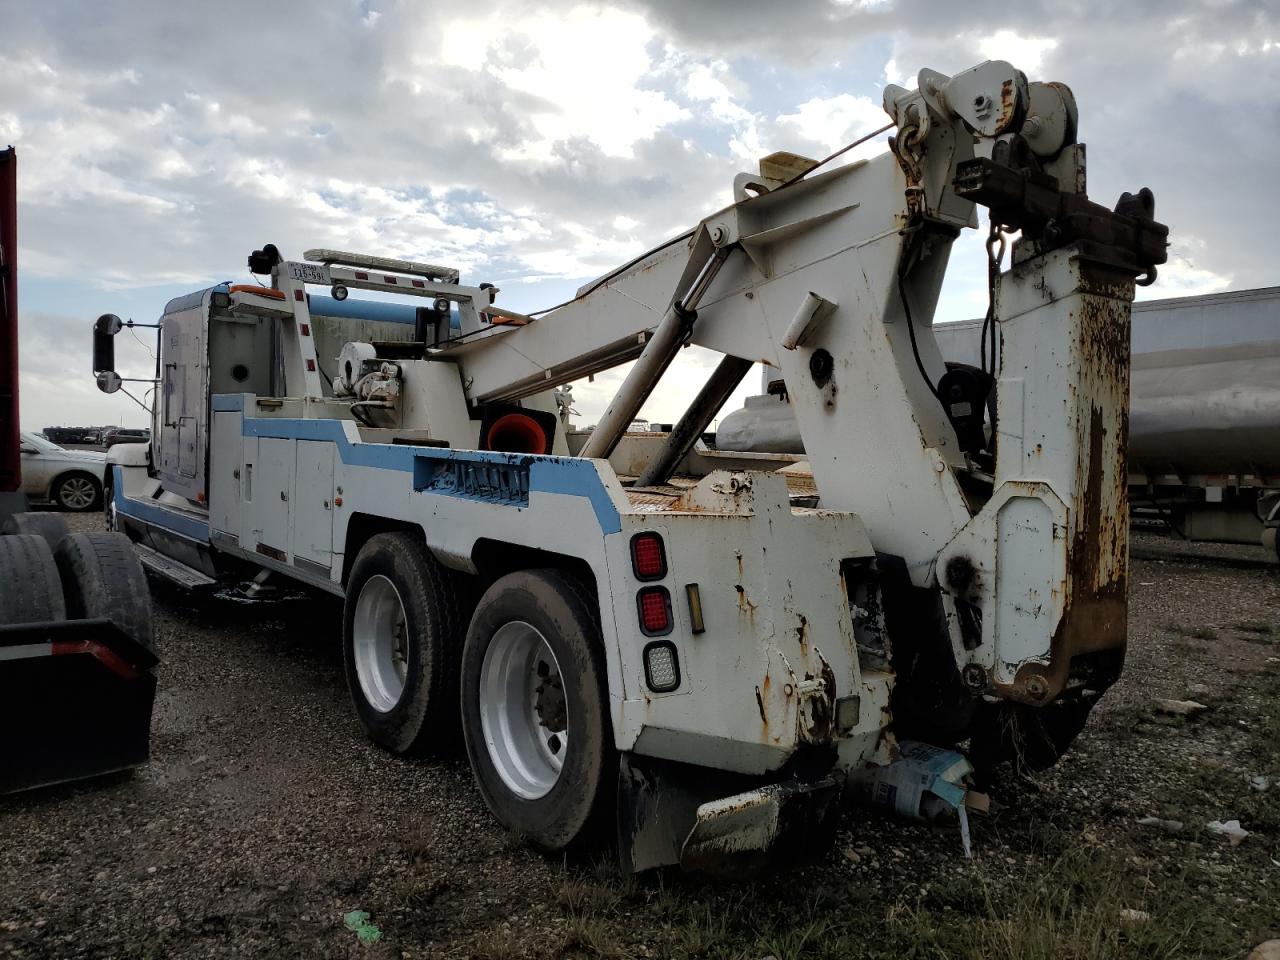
<point>585,70</point>
<point>541,144</point>
<point>1024,51</point>
<point>834,121</point>
<point>1182,276</point>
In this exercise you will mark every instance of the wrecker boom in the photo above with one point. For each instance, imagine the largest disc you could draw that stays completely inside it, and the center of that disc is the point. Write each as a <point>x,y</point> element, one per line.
<point>833,278</point>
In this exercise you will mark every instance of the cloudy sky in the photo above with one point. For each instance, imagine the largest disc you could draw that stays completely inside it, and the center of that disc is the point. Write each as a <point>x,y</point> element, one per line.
<point>537,145</point>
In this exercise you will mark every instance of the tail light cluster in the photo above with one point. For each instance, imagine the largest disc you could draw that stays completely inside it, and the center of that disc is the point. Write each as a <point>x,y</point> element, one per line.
<point>654,605</point>
<point>648,556</point>
<point>653,610</point>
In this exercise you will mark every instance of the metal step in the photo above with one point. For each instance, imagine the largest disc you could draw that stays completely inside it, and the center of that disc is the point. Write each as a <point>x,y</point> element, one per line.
<point>172,570</point>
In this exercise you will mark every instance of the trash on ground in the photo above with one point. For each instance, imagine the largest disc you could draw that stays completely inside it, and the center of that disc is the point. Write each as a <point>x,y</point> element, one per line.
<point>1134,917</point>
<point>1180,708</point>
<point>1169,826</point>
<point>1230,829</point>
<point>924,783</point>
<point>1260,783</point>
<point>357,921</point>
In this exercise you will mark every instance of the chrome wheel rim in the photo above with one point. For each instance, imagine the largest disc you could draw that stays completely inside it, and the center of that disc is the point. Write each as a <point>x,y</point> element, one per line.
<point>524,710</point>
<point>77,493</point>
<point>380,637</point>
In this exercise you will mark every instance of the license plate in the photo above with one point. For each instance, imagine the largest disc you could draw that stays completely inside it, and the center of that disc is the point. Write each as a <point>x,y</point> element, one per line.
<point>309,272</point>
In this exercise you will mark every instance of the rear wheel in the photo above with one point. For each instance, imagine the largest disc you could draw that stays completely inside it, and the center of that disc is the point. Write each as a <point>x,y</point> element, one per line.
<point>77,492</point>
<point>30,589</point>
<point>104,578</point>
<point>402,633</point>
<point>535,707</point>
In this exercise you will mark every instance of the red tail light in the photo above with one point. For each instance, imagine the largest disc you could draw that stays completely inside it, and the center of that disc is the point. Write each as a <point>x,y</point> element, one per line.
<point>648,556</point>
<point>654,604</point>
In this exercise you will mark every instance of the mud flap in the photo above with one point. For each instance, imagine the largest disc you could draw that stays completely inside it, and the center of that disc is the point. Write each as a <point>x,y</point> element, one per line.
<point>75,702</point>
<point>673,813</point>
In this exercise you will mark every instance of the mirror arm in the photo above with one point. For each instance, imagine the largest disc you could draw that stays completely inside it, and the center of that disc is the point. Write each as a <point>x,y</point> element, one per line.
<point>136,400</point>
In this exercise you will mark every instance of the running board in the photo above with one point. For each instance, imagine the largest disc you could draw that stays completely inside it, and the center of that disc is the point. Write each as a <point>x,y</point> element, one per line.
<point>172,570</point>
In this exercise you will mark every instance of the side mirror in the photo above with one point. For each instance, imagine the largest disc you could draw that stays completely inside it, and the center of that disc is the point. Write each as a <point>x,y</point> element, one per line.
<point>109,381</point>
<point>105,329</point>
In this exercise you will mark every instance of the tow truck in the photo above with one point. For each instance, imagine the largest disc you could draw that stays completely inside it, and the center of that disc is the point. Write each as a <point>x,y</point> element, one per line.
<point>699,647</point>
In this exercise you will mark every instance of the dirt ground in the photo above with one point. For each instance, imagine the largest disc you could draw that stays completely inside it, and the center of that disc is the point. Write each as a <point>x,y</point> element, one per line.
<point>264,818</point>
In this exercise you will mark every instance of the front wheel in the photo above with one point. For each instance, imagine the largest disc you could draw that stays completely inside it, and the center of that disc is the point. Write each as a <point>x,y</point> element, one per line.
<point>77,492</point>
<point>535,707</point>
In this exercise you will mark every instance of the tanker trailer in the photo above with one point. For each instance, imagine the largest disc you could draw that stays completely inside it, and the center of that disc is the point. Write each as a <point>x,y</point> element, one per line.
<point>1204,414</point>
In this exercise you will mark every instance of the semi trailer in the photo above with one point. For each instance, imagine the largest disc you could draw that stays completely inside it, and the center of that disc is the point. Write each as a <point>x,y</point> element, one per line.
<point>698,648</point>
<point>77,649</point>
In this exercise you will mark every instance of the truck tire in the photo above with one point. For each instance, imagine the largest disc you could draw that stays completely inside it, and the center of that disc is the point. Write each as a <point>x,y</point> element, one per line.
<point>535,708</point>
<point>102,577</point>
<point>77,492</point>
<point>30,590</point>
<point>402,631</point>
<point>51,526</point>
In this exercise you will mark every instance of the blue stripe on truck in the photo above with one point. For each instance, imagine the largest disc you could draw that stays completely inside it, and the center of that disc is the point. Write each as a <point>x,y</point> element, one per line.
<point>156,514</point>
<point>566,476</point>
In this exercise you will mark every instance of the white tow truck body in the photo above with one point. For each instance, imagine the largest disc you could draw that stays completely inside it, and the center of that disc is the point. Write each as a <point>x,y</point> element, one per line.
<point>761,633</point>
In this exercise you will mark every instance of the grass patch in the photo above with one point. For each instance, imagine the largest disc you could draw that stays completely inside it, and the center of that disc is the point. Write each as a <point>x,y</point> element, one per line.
<point>1065,906</point>
<point>1073,910</point>
<point>1260,627</point>
<point>1194,632</point>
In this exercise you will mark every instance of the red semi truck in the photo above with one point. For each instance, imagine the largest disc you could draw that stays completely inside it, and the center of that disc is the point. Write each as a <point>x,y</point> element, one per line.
<point>77,657</point>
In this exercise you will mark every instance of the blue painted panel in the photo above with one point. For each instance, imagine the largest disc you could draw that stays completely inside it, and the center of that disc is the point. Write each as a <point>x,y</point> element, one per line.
<point>157,514</point>
<point>569,476</point>
<point>575,477</point>
<point>228,402</point>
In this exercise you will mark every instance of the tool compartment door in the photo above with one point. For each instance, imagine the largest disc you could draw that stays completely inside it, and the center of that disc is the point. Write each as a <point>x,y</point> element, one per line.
<point>313,507</point>
<point>225,471</point>
<point>272,494</point>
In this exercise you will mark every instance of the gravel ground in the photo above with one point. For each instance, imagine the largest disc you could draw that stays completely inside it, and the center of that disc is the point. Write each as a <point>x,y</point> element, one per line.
<point>264,817</point>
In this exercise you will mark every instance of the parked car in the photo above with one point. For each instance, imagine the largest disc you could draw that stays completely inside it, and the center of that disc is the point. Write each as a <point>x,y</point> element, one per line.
<point>70,479</point>
<point>125,435</point>
<point>73,434</point>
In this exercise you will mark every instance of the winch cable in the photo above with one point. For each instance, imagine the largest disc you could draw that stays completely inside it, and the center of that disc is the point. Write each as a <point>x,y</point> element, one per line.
<point>535,314</point>
<point>904,267</point>
<point>689,233</point>
<point>995,255</point>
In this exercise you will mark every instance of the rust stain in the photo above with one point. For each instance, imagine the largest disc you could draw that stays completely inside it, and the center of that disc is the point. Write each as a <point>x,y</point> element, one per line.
<point>1095,606</point>
<point>818,711</point>
<point>1008,102</point>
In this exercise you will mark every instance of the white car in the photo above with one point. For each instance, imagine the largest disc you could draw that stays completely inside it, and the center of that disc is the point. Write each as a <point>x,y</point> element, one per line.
<point>70,479</point>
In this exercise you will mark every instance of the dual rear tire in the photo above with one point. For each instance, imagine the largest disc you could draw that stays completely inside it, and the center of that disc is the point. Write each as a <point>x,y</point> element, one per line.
<point>523,676</point>
<point>50,574</point>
